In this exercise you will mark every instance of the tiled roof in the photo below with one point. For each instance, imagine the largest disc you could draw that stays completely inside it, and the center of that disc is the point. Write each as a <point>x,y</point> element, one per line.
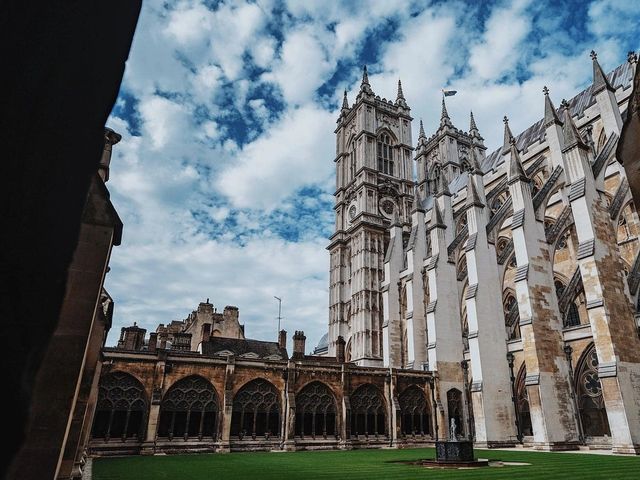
<point>240,347</point>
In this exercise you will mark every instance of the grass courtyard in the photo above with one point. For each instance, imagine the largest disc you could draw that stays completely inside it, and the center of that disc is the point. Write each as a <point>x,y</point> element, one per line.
<point>361,465</point>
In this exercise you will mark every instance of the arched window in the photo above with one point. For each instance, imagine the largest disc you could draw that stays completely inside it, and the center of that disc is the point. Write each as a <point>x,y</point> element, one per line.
<point>589,390</point>
<point>522,400</point>
<point>315,411</point>
<point>385,154</point>
<point>368,414</point>
<point>454,407</point>
<point>256,410</point>
<point>512,318</point>
<point>121,407</point>
<point>416,418</point>
<point>572,317</point>
<point>352,160</point>
<point>189,409</point>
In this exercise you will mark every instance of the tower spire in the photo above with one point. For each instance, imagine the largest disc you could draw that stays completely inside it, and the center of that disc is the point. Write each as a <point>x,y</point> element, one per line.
<point>506,144</point>
<point>365,77</point>
<point>472,123</point>
<point>444,115</point>
<point>400,93</point>
<point>550,114</point>
<point>421,134</point>
<point>516,170</point>
<point>600,81</point>
<point>345,101</point>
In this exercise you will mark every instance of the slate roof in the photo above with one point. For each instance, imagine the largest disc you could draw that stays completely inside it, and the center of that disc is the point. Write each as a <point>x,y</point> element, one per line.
<point>240,347</point>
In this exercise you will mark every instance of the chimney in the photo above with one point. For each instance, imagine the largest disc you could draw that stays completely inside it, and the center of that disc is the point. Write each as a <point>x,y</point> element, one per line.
<point>153,342</point>
<point>282,339</point>
<point>206,332</point>
<point>298,344</point>
<point>340,350</point>
<point>110,139</point>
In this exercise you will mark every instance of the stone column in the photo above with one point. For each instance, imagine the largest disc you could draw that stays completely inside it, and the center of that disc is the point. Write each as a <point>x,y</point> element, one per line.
<point>416,319</point>
<point>391,327</point>
<point>227,406</point>
<point>606,290</point>
<point>149,444</point>
<point>491,390</point>
<point>552,412</point>
<point>289,409</point>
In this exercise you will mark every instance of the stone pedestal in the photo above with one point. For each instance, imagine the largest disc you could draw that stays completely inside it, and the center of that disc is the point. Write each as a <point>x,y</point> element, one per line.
<point>454,452</point>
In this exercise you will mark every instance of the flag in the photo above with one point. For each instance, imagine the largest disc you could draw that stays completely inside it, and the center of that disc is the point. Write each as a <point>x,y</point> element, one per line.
<point>449,93</point>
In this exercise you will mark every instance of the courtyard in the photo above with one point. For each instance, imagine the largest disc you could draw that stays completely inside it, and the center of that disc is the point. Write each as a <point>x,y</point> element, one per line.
<point>363,465</point>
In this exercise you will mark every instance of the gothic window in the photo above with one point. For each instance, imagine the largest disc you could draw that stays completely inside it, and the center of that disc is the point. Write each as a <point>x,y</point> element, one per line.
<point>315,412</point>
<point>522,400</point>
<point>415,415</point>
<point>385,154</point>
<point>454,408</point>
<point>368,415</point>
<point>512,318</point>
<point>189,409</point>
<point>256,410</point>
<point>572,317</point>
<point>352,161</point>
<point>121,407</point>
<point>589,390</point>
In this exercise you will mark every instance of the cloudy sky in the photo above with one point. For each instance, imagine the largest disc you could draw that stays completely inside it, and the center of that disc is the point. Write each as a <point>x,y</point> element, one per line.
<point>224,175</point>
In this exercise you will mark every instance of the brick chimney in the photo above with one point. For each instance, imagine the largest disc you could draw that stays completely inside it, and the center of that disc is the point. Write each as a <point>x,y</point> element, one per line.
<point>298,344</point>
<point>153,342</point>
<point>282,339</point>
<point>340,343</point>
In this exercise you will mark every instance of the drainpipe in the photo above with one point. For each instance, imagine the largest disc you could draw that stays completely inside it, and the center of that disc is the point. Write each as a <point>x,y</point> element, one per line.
<point>567,353</point>
<point>510,359</point>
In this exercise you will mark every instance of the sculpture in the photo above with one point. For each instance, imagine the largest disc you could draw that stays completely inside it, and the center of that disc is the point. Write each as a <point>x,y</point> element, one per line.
<point>452,430</point>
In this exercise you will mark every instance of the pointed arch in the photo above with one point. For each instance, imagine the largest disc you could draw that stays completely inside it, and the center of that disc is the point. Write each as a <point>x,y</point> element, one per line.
<point>121,407</point>
<point>189,409</point>
<point>455,410</point>
<point>316,411</point>
<point>368,412</point>
<point>593,413</point>
<point>522,400</point>
<point>415,413</point>
<point>256,410</point>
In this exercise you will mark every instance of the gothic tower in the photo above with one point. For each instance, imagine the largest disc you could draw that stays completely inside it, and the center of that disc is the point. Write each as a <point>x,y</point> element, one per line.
<point>374,186</point>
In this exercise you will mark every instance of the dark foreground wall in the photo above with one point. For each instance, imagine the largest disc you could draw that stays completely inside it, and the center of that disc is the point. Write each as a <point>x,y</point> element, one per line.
<point>63,62</point>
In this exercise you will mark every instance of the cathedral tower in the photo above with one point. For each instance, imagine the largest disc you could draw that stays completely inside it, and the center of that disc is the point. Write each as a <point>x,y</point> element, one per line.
<point>373,186</point>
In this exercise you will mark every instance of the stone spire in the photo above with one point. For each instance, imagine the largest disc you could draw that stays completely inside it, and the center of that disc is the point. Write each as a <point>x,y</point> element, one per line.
<point>444,116</point>
<point>421,134</point>
<point>345,101</point>
<point>550,114</point>
<point>400,100</point>
<point>472,123</point>
<point>506,144</point>
<point>600,81</point>
<point>516,170</point>
<point>364,85</point>
<point>436,217</point>
<point>473,199</point>
<point>572,137</point>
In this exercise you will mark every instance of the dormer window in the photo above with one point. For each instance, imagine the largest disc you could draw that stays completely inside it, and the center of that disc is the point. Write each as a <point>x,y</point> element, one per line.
<point>385,154</point>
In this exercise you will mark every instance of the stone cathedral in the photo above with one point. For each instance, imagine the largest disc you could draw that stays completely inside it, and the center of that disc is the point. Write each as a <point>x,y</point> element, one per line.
<point>493,291</point>
<point>512,274</point>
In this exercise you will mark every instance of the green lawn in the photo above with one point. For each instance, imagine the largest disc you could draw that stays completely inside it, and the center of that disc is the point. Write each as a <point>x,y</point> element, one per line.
<point>360,465</point>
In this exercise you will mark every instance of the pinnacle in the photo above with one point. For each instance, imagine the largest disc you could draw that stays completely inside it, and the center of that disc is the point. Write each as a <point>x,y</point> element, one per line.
<point>571,135</point>
<point>507,136</point>
<point>472,123</point>
<point>516,170</point>
<point>473,199</point>
<point>550,114</point>
<point>444,115</point>
<point>345,101</point>
<point>600,81</point>
<point>400,93</point>
<point>365,76</point>
<point>422,134</point>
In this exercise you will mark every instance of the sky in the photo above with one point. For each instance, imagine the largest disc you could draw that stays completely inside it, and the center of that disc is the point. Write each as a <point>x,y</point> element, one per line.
<point>224,177</point>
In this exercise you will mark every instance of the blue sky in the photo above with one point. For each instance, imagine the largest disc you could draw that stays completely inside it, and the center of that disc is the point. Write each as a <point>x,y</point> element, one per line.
<point>224,175</point>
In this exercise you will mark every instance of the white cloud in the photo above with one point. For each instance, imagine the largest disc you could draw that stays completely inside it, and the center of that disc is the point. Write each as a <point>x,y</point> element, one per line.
<point>293,153</point>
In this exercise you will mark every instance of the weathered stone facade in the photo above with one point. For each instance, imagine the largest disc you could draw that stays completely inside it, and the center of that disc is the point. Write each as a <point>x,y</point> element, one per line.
<point>515,278</point>
<point>240,394</point>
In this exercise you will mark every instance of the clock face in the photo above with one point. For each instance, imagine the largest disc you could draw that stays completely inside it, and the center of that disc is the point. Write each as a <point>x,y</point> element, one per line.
<point>387,207</point>
<point>352,212</point>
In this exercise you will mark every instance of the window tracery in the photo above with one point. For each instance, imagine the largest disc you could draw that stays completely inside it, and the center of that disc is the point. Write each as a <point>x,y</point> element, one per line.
<point>368,414</point>
<point>256,410</point>
<point>415,415</point>
<point>590,401</point>
<point>315,411</point>
<point>385,154</point>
